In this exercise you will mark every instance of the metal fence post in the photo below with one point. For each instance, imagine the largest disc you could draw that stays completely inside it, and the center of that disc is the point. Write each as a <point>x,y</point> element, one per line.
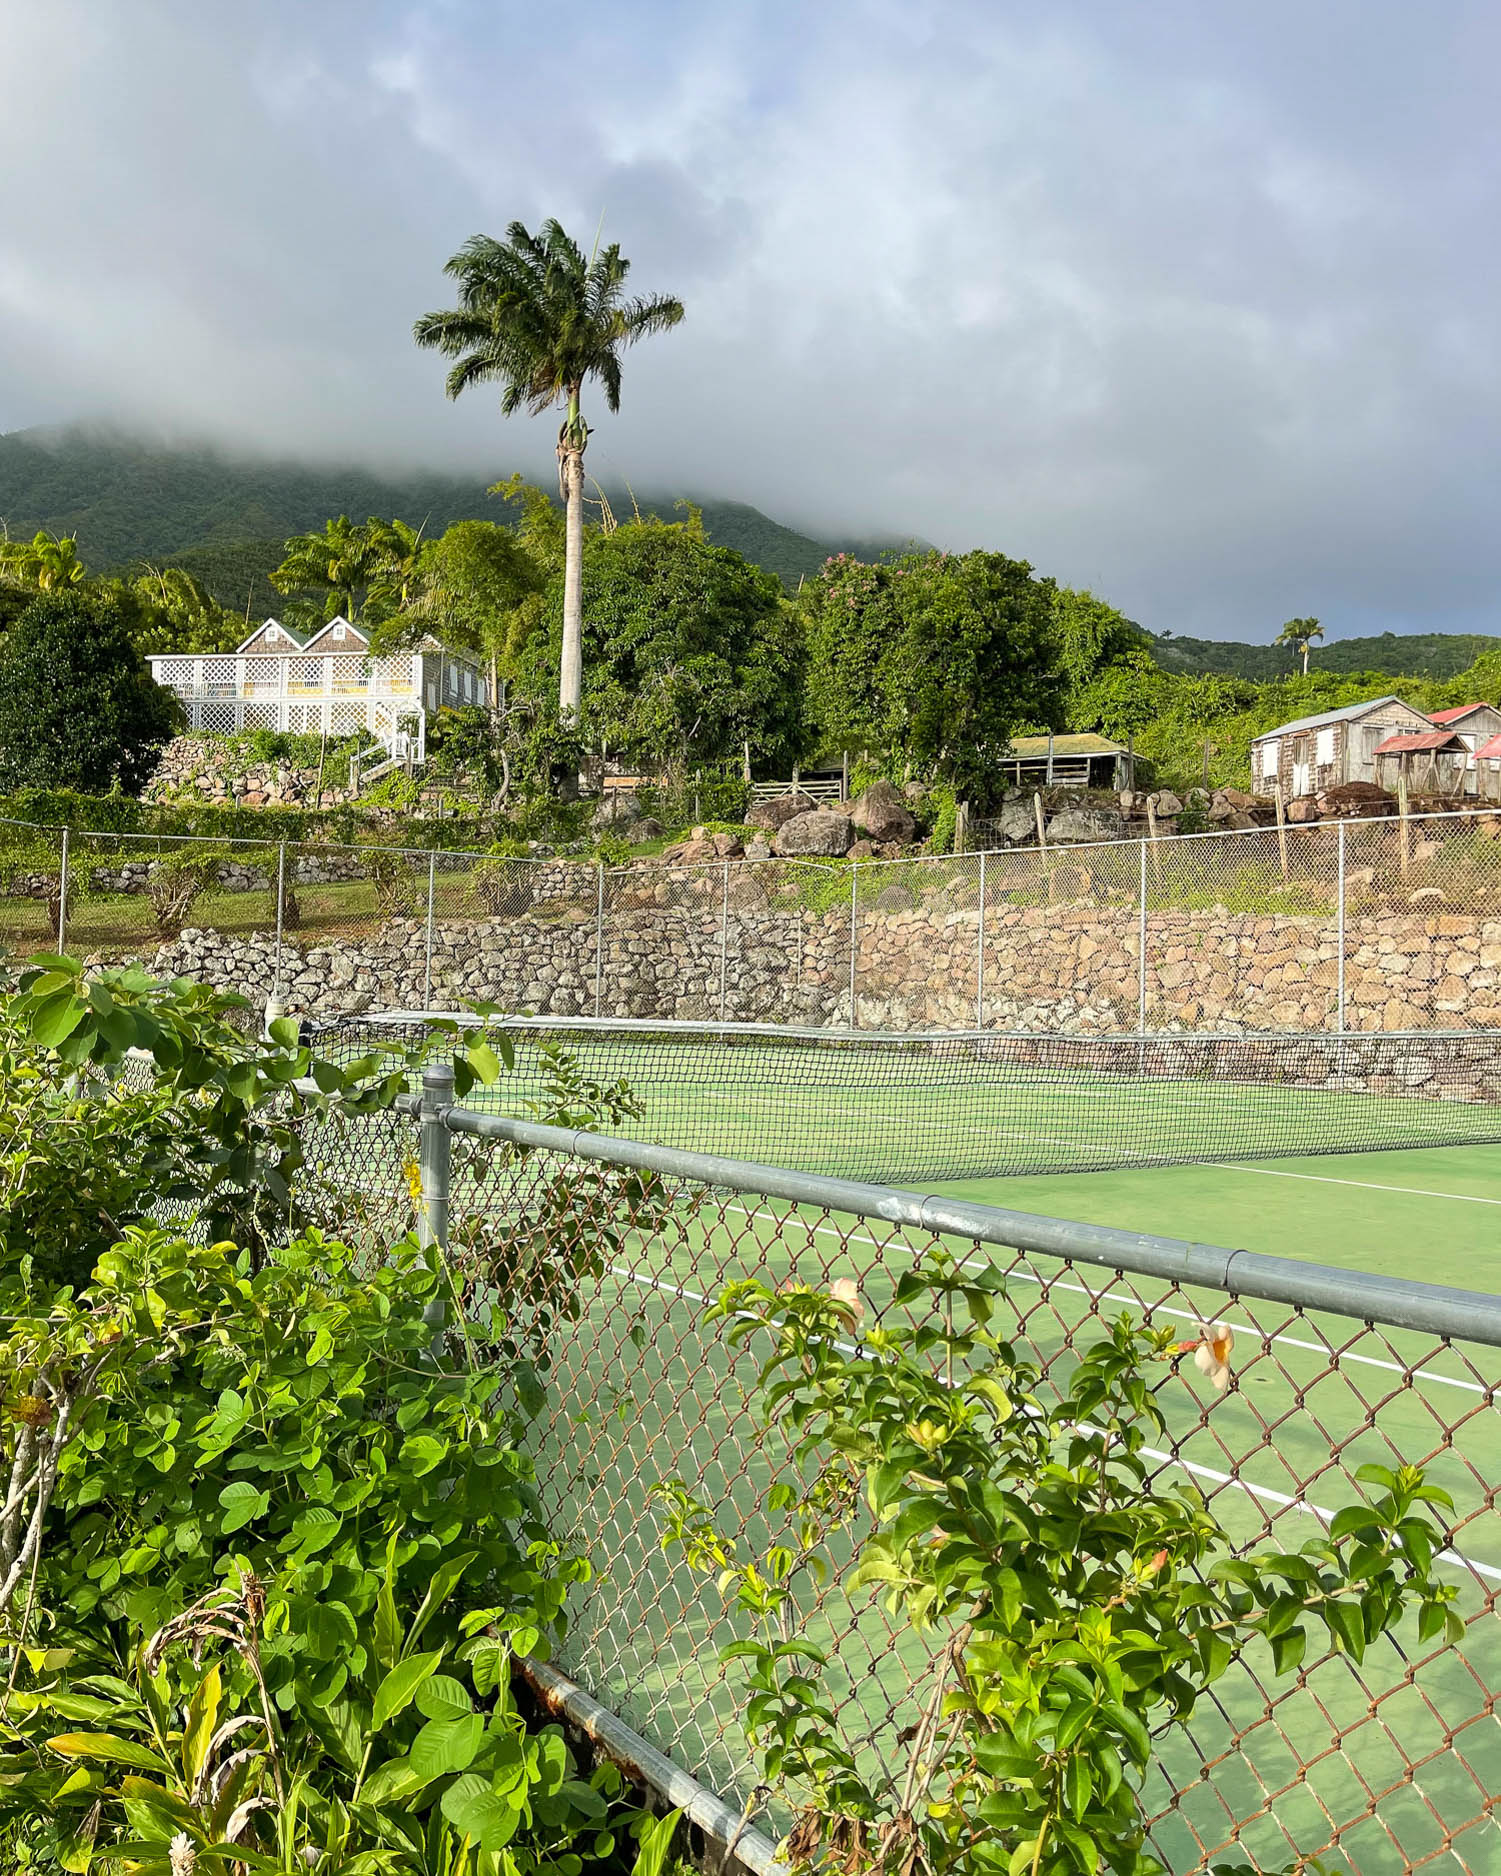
<point>435,1169</point>
<point>724,944</point>
<point>427,966</point>
<point>1141,946</point>
<point>599,943</point>
<point>281,901</point>
<point>854,937</point>
<point>980,953</point>
<point>62,898</point>
<point>1340,965</point>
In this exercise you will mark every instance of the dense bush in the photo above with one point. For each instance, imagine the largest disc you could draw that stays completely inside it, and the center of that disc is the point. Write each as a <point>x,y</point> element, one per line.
<point>78,705</point>
<point>272,1532</point>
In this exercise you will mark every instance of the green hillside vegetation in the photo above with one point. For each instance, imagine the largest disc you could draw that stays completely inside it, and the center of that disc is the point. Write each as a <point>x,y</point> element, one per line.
<point>1407,654</point>
<point>225,518</point>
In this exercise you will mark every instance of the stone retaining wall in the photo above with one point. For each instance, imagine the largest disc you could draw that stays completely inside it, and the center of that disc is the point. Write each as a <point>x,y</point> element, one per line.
<point>1071,969</point>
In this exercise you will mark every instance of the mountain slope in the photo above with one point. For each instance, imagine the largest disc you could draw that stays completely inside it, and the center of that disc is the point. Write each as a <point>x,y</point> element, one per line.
<point>1408,654</point>
<point>127,499</point>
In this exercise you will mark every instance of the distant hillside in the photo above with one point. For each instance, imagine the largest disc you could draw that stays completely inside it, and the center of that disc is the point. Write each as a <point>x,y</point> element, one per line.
<point>221,516</point>
<point>1411,654</point>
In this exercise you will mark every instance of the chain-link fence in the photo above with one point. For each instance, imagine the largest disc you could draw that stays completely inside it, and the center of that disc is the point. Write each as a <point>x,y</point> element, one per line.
<point>1354,926</point>
<point>1390,1761</point>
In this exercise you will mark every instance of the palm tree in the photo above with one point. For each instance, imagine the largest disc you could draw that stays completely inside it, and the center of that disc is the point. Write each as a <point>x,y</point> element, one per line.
<point>346,560</point>
<point>539,320</point>
<point>1300,634</point>
<point>45,561</point>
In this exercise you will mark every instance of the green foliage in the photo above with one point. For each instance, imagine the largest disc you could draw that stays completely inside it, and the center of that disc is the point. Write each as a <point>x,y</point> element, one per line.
<point>279,1533</point>
<point>689,651</point>
<point>1092,635</point>
<point>357,569</point>
<point>78,707</point>
<point>1389,654</point>
<point>46,563</point>
<point>936,658</point>
<point>1071,1602</point>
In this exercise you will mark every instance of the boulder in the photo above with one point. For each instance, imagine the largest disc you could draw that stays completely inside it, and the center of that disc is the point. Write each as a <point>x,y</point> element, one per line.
<point>1301,812</point>
<point>1164,803</point>
<point>1017,821</point>
<point>619,808</point>
<point>862,850</point>
<point>777,812</point>
<point>758,849</point>
<point>696,852</point>
<point>727,846</point>
<point>818,832</point>
<point>1076,826</point>
<point>650,828</point>
<point>893,899</point>
<point>880,813</point>
<point>1237,798</point>
<point>1127,799</point>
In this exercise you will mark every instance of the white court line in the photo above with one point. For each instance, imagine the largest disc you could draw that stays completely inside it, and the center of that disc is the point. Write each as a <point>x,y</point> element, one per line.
<point>1170,1460</point>
<point>1365,1185</point>
<point>1182,1315</point>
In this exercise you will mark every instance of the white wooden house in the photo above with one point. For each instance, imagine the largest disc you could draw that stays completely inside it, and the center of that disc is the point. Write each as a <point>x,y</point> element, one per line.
<point>1312,753</point>
<point>330,682</point>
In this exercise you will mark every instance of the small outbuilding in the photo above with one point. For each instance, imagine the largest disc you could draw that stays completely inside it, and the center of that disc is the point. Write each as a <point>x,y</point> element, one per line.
<point>1310,754</point>
<point>1083,761</point>
<point>1435,763</point>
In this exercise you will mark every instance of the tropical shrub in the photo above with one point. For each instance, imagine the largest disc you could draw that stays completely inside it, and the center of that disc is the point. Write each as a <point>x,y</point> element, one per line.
<point>78,705</point>
<point>1071,1602</point>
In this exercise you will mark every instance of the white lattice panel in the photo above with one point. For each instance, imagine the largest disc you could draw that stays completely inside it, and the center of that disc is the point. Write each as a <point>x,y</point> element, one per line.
<point>175,673</point>
<point>305,673</point>
<point>263,673</point>
<point>264,715</point>
<point>346,718</point>
<point>346,671</point>
<point>220,718</point>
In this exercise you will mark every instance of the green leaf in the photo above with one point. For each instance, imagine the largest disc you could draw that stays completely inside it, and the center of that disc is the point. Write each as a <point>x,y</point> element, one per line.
<point>422,1452</point>
<point>109,1748</point>
<point>482,1060</point>
<point>443,1698</point>
<point>445,1746</point>
<point>1288,1649</point>
<point>316,1529</point>
<point>445,1578</point>
<point>56,1017</point>
<point>283,1032</point>
<point>198,1727</point>
<point>242,1502</point>
<point>489,1818</point>
<point>396,1690</point>
<point>656,1844</point>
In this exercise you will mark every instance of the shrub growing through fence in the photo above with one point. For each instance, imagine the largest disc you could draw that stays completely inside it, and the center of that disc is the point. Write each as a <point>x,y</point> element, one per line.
<point>1071,1603</point>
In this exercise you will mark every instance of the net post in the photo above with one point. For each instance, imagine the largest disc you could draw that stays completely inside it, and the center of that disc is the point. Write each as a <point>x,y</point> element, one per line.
<point>435,1171</point>
<point>427,962</point>
<point>980,952</point>
<point>1340,963</point>
<point>724,943</point>
<point>854,904</point>
<point>281,905</point>
<point>599,941</point>
<point>62,898</point>
<point>1141,942</point>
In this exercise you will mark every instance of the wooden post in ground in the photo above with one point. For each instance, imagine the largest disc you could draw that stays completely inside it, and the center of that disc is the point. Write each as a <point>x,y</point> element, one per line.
<point>961,827</point>
<point>745,766</point>
<point>844,776</point>
<point>1282,828</point>
<point>1042,823</point>
<point>1402,822</point>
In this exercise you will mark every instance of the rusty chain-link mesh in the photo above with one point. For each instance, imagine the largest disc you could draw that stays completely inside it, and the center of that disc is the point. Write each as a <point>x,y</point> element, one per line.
<point>1393,1763</point>
<point>1364,926</point>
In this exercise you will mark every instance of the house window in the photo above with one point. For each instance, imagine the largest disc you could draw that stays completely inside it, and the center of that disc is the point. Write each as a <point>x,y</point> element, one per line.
<point>1324,748</point>
<point>338,631</point>
<point>1269,760</point>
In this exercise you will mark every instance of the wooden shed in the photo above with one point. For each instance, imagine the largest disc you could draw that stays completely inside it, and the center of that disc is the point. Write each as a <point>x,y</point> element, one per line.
<point>1313,753</point>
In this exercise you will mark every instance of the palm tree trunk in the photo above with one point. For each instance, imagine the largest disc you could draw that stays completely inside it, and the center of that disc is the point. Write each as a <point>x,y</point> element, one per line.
<point>571,675</point>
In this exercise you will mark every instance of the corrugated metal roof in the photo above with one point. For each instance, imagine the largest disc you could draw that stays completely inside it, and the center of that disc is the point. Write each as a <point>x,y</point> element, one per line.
<point>1434,739</point>
<point>1459,710</point>
<point>1083,745</point>
<point>1345,715</point>
<point>1492,748</point>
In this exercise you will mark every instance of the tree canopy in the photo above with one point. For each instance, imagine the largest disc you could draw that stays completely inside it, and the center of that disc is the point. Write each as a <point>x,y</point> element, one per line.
<point>690,651</point>
<point>78,706</point>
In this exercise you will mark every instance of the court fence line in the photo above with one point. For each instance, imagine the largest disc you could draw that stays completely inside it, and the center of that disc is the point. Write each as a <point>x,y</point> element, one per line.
<point>1382,1762</point>
<point>1350,926</point>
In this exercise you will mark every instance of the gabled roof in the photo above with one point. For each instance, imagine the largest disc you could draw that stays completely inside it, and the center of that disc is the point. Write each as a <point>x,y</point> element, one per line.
<point>295,640</point>
<point>350,631</point>
<point>1433,739</point>
<point>1459,710</point>
<point>1346,715</point>
<point>1492,748</point>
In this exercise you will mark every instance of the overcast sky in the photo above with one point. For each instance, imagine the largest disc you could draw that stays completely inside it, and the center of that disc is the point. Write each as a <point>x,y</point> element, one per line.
<point>1194,304</point>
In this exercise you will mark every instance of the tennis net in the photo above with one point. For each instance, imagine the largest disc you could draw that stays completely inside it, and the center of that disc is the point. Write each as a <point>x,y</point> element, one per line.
<point>896,1108</point>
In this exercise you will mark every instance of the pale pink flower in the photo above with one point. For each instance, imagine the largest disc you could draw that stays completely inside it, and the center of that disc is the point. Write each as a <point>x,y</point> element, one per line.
<point>1213,1355</point>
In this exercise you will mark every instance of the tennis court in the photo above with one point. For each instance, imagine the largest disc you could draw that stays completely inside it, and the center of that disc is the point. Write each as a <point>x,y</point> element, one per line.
<point>1394,1760</point>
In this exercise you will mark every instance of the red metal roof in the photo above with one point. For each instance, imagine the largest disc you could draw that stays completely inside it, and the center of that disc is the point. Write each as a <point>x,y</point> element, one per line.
<point>1492,748</point>
<point>1459,710</point>
<point>1435,739</point>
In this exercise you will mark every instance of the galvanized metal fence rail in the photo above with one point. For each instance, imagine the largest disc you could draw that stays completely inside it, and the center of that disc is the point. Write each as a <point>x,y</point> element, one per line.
<point>1351,927</point>
<point>1393,1763</point>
